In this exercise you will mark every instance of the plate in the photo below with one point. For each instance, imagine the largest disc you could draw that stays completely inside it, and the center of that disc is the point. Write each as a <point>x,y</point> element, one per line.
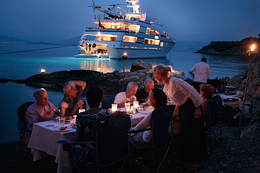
<point>57,129</point>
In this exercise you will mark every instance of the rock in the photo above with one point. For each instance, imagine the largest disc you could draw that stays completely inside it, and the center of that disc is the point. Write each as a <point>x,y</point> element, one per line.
<point>139,64</point>
<point>129,79</point>
<point>239,81</point>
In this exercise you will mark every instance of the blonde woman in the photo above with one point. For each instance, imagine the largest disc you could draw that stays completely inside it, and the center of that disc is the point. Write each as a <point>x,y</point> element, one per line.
<point>193,141</point>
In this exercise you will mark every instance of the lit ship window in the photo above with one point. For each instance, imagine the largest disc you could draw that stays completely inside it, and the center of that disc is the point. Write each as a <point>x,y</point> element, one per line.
<point>151,41</point>
<point>129,39</point>
<point>151,31</point>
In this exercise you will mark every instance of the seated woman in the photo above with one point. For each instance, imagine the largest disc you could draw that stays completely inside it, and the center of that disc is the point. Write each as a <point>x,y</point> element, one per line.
<point>157,99</point>
<point>206,92</point>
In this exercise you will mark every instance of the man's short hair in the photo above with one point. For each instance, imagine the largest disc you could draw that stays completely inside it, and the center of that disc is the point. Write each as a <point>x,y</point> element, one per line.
<point>38,91</point>
<point>160,97</point>
<point>147,80</point>
<point>67,86</point>
<point>131,84</point>
<point>94,96</point>
<point>203,59</point>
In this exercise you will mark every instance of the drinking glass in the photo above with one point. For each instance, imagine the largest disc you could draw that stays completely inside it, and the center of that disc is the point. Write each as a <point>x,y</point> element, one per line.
<point>62,121</point>
<point>57,112</point>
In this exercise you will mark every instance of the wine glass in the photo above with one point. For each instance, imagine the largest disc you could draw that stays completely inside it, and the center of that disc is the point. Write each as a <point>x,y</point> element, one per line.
<point>57,112</point>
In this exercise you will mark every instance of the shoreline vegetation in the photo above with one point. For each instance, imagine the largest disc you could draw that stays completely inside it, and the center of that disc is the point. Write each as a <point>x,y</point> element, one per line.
<point>236,48</point>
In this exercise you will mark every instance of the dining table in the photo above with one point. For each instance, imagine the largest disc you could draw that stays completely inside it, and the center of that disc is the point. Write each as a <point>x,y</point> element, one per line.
<point>44,137</point>
<point>43,142</point>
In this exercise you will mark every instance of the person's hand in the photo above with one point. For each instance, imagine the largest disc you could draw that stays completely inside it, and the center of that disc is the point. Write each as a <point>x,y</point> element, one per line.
<point>197,113</point>
<point>79,103</point>
<point>132,99</point>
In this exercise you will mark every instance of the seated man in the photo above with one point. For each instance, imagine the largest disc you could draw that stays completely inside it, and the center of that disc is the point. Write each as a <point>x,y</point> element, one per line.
<point>72,98</point>
<point>122,97</point>
<point>42,110</point>
<point>85,120</point>
<point>142,95</point>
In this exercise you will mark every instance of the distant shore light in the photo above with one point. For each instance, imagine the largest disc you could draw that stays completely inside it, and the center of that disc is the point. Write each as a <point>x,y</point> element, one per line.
<point>42,70</point>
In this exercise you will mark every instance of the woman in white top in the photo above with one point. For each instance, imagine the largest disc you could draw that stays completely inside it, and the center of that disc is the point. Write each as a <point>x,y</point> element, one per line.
<point>193,140</point>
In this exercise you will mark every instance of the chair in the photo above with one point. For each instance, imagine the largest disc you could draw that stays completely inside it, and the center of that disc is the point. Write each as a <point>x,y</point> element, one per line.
<point>111,134</point>
<point>22,110</point>
<point>213,119</point>
<point>107,101</point>
<point>160,142</point>
<point>21,123</point>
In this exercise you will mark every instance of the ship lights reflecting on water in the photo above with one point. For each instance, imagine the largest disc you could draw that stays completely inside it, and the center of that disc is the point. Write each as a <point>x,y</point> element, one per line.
<point>98,65</point>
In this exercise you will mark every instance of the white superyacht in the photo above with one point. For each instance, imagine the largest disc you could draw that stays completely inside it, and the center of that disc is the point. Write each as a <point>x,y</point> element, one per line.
<point>132,34</point>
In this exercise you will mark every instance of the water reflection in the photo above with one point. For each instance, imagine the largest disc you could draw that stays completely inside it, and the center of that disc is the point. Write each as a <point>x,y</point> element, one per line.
<point>96,65</point>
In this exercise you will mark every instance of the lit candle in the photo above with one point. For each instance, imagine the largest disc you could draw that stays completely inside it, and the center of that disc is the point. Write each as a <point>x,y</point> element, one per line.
<point>114,107</point>
<point>127,107</point>
<point>81,110</point>
<point>136,104</point>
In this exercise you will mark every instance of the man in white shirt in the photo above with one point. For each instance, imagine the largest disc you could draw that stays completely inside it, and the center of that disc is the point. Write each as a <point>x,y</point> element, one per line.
<point>121,97</point>
<point>202,72</point>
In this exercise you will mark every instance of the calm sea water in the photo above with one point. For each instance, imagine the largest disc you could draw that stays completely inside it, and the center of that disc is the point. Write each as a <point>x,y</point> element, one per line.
<point>23,65</point>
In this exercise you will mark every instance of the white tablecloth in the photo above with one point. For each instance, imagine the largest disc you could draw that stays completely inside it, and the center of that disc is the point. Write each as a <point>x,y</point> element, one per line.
<point>223,96</point>
<point>44,139</point>
<point>136,118</point>
<point>43,142</point>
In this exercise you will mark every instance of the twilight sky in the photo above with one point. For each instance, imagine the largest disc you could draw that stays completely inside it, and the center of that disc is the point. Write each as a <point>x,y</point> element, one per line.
<point>193,20</point>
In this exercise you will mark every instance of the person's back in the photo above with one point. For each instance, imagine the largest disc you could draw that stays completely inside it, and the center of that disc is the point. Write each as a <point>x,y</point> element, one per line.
<point>202,72</point>
<point>85,120</point>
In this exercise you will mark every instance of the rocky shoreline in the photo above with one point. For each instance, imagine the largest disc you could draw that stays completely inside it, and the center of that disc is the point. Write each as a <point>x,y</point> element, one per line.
<point>111,82</point>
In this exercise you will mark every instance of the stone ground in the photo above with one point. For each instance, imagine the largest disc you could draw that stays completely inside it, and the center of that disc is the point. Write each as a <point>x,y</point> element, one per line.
<point>232,155</point>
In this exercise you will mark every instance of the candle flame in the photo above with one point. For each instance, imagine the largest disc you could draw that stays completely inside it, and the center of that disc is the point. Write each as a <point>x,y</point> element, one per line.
<point>253,47</point>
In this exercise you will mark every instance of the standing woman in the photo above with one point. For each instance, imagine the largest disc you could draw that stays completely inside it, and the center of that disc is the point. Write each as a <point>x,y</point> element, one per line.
<point>193,140</point>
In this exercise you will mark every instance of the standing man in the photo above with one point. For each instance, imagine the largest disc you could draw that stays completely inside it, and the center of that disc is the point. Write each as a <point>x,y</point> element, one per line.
<point>121,97</point>
<point>71,101</point>
<point>202,72</point>
<point>142,95</point>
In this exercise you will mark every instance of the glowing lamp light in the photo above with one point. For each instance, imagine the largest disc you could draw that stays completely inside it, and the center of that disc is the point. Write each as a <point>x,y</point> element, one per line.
<point>114,107</point>
<point>98,69</point>
<point>253,47</point>
<point>251,53</point>
<point>42,70</point>
<point>136,104</point>
<point>125,56</point>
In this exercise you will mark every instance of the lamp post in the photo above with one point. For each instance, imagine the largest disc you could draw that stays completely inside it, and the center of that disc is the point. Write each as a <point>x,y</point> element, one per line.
<point>124,58</point>
<point>250,54</point>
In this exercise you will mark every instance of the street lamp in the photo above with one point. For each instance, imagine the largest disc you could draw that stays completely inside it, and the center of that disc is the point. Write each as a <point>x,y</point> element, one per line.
<point>124,58</point>
<point>250,54</point>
